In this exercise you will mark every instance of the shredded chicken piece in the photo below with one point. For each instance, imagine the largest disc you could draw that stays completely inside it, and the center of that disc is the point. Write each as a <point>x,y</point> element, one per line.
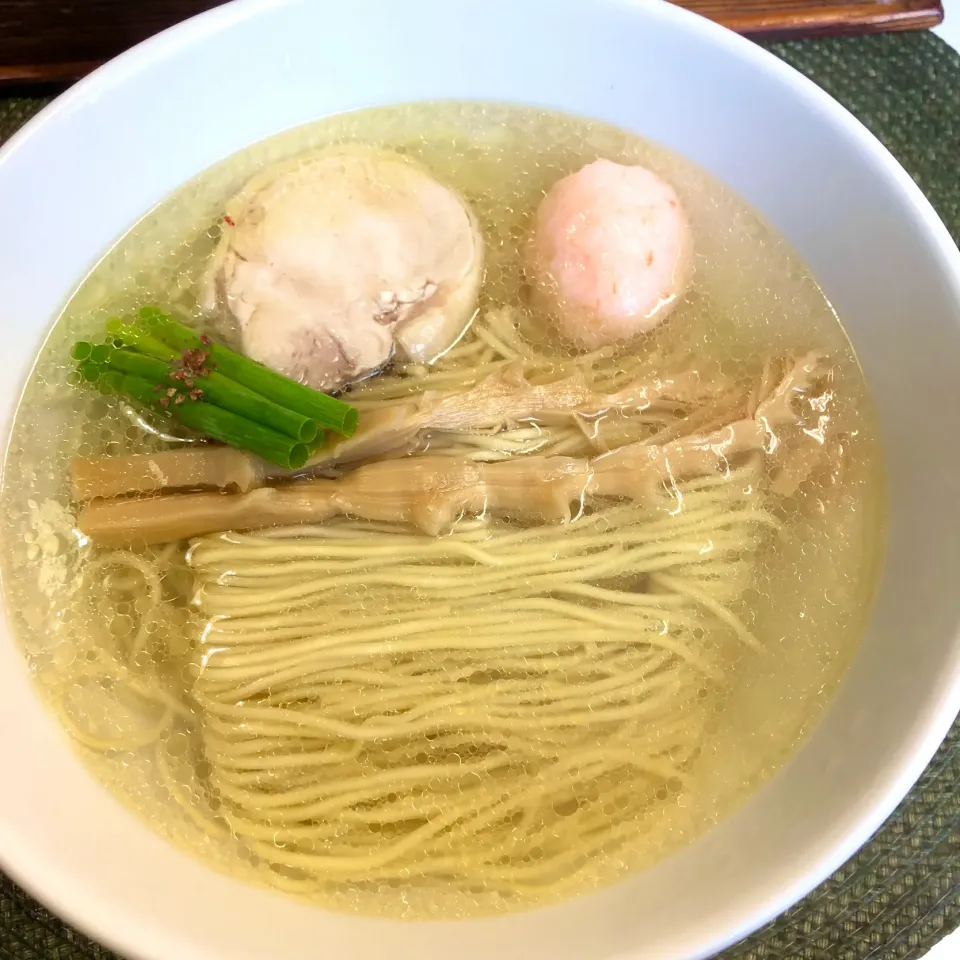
<point>432,492</point>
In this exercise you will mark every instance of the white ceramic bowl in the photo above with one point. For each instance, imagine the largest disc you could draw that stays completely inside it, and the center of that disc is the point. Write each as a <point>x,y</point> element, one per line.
<point>104,153</point>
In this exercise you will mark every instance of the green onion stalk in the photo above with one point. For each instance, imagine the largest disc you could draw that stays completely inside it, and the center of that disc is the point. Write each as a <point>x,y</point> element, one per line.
<point>162,364</point>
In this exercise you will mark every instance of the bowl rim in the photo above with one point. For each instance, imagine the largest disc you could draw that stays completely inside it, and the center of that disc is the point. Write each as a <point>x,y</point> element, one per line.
<point>31,873</point>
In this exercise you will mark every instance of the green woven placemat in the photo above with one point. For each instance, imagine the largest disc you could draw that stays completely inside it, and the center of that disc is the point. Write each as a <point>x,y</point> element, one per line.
<point>901,894</point>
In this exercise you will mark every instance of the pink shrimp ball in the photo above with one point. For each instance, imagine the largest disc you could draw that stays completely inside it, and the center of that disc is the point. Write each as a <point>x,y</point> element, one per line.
<point>610,254</point>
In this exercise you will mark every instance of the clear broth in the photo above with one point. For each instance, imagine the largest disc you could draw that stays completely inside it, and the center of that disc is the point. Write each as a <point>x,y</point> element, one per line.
<point>751,297</point>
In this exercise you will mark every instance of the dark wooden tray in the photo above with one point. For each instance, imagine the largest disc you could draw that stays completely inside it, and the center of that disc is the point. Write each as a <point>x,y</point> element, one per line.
<point>61,40</point>
<point>809,18</point>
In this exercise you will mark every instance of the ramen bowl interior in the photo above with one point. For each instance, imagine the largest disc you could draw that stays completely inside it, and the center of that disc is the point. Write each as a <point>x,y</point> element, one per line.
<point>116,145</point>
